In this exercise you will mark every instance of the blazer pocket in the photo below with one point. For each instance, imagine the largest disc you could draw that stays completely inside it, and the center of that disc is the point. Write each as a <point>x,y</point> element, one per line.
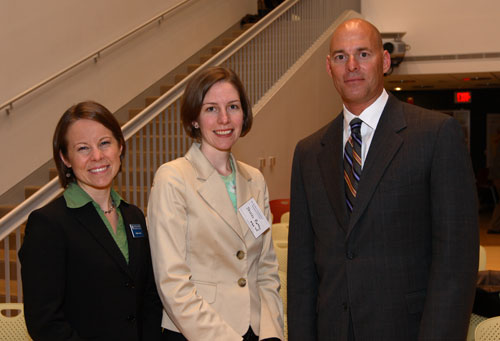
<point>207,290</point>
<point>415,301</point>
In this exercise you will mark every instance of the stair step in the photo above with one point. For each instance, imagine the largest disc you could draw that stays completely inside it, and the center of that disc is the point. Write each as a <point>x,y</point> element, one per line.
<point>4,209</point>
<point>149,100</point>
<point>12,264</point>
<point>159,128</point>
<point>13,290</point>
<point>205,57</point>
<point>12,239</point>
<point>53,173</point>
<point>165,88</point>
<point>216,49</point>
<point>133,112</point>
<point>30,190</point>
<point>179,77</point>
<point>237,33</point>
<point>12,245</point>
<point>247,26</point>
<point>192,67</point>
<point>158,137</point>
<point>151,153</point>
<point>172,155</point>
<point>227,41</point>
<point>137,175</point>
<point>12,255</point>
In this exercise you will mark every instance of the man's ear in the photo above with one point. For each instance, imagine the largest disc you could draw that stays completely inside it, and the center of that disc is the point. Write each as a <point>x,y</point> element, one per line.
<point>386,61</point>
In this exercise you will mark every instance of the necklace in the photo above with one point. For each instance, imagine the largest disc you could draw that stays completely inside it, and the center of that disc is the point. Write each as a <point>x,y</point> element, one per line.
<point>111,209</point>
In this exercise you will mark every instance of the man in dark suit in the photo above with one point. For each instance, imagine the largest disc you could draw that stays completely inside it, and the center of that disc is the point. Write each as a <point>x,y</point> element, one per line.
<point>383,240</point>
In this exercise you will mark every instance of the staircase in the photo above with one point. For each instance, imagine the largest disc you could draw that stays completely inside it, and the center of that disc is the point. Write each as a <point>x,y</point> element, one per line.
<point>128,182</point>
<point>182,71</point>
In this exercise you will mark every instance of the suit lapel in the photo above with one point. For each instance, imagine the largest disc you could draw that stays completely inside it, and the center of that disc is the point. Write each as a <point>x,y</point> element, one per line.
<point>92,222</point>
<point>211,186</point>
<point>245,190</point>
<point>331,167</point>
<point>385,144</point>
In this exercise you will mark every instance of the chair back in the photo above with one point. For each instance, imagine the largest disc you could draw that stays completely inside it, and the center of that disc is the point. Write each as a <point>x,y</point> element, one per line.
<point>279,231</point>
<point>475,319</point>
<point>13,328</point>
<point>488,330</point>
<point>285,217</point>
<point>278,207</point>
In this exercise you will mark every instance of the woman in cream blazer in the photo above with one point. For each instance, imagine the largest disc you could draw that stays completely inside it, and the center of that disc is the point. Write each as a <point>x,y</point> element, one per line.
<point>217,281</point>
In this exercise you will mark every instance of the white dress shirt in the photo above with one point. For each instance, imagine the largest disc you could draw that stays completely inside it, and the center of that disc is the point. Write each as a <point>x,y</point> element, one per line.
<point>370,117</point>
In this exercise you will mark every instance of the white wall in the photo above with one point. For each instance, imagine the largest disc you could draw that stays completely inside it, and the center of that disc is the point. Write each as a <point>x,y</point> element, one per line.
<point>439,27</point>
<point>39,38</point>
<point>306,102</point>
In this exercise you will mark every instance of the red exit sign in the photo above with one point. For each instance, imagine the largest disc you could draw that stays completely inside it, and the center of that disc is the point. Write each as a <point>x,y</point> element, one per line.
<point>463,97</point>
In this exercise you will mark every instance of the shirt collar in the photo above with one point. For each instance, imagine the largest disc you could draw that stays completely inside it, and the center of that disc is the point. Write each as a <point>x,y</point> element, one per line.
<point>76,197</point>
<point>371,115</point>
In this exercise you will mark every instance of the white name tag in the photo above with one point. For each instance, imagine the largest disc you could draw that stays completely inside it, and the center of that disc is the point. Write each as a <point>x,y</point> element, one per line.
<point>254,217</point>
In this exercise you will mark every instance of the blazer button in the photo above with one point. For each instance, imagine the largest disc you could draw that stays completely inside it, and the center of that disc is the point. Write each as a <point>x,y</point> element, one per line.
<point>344,305</point>
<point>242,282</point>
<point>131,318</point>
<point>240,254</point>
<point>350,255</point>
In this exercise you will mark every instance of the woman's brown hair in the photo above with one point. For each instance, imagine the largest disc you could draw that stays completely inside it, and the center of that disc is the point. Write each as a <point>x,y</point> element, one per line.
<point>87,110</point>
<point>195,92</point>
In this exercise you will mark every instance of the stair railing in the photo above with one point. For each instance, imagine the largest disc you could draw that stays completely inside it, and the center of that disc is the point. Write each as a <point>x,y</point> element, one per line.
<point>262,56</point>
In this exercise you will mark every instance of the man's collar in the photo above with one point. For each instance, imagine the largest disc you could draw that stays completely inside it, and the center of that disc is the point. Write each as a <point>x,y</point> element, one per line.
<point>371,115</point>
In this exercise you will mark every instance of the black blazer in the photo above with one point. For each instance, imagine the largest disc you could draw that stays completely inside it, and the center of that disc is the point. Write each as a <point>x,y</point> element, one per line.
<point>404,266</point>
<point>76,283</point>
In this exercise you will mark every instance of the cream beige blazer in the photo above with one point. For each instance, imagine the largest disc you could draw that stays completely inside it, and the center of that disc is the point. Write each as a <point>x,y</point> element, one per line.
<point>214,277</point>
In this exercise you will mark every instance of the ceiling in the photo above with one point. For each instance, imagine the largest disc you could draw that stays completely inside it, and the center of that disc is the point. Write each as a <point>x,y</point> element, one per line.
<point>475,80</point>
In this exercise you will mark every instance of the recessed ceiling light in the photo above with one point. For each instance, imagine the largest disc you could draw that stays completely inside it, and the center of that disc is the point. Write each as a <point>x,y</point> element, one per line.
<point>398,88</point>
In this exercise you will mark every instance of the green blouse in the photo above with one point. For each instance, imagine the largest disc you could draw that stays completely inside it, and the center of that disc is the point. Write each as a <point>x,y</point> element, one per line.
<point>76,197</point>
<point>230,182</point>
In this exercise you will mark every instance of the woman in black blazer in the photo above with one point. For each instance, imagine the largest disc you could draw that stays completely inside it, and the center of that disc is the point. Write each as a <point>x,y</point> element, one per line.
<point>86,265</point>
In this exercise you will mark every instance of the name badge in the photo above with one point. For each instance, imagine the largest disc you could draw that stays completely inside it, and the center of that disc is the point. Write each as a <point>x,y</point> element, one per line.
<point>136,230</point>
<point>253,216</point>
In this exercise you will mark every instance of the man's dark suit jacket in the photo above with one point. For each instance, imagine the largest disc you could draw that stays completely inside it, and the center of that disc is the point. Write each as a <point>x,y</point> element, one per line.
<point>404,266</point>
<point>77,284</point>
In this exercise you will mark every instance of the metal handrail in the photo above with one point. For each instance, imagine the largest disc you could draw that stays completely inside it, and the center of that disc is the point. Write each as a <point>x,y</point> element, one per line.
<point>9,105</point>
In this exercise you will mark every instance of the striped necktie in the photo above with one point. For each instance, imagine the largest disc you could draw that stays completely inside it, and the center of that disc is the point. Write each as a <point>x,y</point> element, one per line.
<point>352,163</point>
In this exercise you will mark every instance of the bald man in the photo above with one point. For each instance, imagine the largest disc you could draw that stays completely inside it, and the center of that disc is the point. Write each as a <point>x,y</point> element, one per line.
<point>383,240</point>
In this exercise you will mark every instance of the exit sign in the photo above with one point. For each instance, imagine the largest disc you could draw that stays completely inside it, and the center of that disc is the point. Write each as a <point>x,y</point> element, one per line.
<point>463,97</point>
